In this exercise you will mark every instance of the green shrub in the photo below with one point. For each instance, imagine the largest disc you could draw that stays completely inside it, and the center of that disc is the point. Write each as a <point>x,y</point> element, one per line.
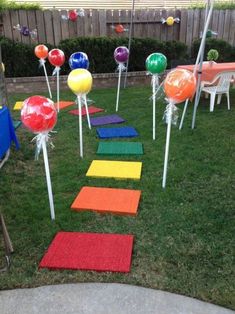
<point>11,5</point>
<point>20,60</point>
<point>225,50</point>
<point>218,5</point>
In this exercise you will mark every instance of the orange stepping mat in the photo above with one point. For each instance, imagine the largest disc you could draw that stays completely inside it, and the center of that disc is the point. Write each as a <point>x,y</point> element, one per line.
<point>115,169</point>
<point>107,200</point>
<point>91,110</point>
<point>89,251</point>
<point>64,104</point>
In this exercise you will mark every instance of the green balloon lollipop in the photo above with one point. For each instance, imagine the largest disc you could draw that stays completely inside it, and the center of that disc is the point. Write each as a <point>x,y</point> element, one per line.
<point>156,63</point>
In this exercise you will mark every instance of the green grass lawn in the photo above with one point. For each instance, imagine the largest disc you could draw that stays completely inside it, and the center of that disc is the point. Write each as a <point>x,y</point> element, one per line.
<point>184,235</point>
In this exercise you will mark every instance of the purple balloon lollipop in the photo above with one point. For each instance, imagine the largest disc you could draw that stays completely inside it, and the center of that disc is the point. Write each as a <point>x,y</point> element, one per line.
<point>121,54</point>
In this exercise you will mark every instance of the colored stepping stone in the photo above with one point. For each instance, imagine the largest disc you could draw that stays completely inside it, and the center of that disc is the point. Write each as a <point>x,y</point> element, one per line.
<point>64,104</point>
<point>120,148</point>
<point>18,105</point>
<point>115,169</point>
<point>125,131</point>
<point>111,119</point>
<point>91,110</point>
<point>107,200</point>
<point>89,251</point>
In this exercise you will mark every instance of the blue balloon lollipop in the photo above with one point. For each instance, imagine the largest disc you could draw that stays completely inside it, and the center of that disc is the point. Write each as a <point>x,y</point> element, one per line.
<point>78,60</point>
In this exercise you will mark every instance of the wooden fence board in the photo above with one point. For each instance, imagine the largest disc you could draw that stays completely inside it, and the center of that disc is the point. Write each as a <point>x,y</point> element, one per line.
<point>56,20</point>
<point>32,24</point>
<point>95,23</point>
<point>72,25</point>
<point>80,26</point>
<point>64,25</point>
<point>109,25</point>
<point>189,32</point>
<point>157,25</point>
<point>40,27</point>
<point>163,33</point>
<point>87,23</point>
<point>226,24</point>
<point>221,24</point>
<point>183,25</point>
<point>49,27</point>
<point>15,20</point>
<point>231,38</point>
<point>196,24</point>
<point>176,29</point>
<point>23,21</point>
<point>215,20</point>
<point>7,25</point>
<point>102,23</point>
<point>169,29</point>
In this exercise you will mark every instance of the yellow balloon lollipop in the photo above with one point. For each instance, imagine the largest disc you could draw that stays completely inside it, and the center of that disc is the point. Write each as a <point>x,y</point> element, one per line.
<point>80,81</point>
<point>170,21</point>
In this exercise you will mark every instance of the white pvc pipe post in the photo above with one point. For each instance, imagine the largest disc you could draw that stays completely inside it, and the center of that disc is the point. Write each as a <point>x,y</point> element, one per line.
<point>168,134</point>
<point>48,178</point>
<point>154,105</point>
<point>80,125</point>
<point>48,85</point>
<point>118,88</point>
<point>58,89</point>
<point>87,112</point>
<point>183,114</point>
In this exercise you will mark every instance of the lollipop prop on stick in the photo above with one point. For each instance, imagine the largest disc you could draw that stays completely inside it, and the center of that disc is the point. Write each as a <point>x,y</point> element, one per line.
<point>41,51</point>
<point>56,58</point>
<point>79,60</point>
<point>121,55</point>
<point>80,83</point>
<point>38,114</point>
<point>155,64</point>
<point>179,85</point>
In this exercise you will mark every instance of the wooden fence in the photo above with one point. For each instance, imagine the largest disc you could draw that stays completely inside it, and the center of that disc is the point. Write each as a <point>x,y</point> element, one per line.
<point>52,28</point>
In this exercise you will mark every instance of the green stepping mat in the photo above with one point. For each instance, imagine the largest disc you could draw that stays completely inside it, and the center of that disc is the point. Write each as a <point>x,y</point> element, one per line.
<point>120,148</point>
<point>16,124</point>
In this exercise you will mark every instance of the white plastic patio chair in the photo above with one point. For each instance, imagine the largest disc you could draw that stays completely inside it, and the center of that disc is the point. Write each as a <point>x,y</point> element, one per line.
<point>220,85</point>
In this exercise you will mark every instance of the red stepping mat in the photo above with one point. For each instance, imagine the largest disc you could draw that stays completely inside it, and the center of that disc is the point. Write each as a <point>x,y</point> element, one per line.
<point>91,109</point>
<point>89,251</point>
<point>107,200</point>
<point>64,104</point>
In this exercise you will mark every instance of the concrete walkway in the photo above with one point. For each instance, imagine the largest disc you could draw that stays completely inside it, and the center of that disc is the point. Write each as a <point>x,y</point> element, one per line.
<point>98,298</point>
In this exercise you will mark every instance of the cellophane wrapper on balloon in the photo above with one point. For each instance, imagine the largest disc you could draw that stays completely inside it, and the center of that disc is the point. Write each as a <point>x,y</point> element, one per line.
<point>46,136</point>
<point>160,95</point>
<point>171,114</point>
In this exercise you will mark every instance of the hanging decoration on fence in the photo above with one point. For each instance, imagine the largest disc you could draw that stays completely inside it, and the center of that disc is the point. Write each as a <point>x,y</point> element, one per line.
<point>170,20</point>
<point>56,58</point>
<point>38,114</point>
<point>119,29</point>
<point>209,34</point>
<point>25,31</point>
<point>179,85</point>
<point>156,64</point>
<point>73,15</point>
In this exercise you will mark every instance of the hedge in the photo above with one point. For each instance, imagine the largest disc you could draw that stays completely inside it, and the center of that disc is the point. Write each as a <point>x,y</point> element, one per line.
<point>20,60</point>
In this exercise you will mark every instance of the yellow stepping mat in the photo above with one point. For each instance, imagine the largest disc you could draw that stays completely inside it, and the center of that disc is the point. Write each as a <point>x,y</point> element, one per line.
<point>115,169</point>
<point>18,105</point>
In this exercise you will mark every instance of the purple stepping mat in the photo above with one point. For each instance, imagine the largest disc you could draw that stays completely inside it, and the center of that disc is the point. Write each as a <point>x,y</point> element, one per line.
<point>114,118</point>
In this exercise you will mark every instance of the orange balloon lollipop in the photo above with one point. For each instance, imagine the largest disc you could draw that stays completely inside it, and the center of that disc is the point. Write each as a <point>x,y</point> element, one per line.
<point>180,85</point>
<point>41,51</point>
<point>119,28</point>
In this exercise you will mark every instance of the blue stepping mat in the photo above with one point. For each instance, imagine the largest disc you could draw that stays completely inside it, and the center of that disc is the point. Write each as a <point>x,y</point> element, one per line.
<point>120,148</point>
<point>126,131</point>
<point>111,119</point>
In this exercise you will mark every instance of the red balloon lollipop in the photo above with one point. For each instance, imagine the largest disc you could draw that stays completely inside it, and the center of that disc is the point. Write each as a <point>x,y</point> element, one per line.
<point>119,29</point>
<point>38,114</point>
<point>73,15</point>
<point>56,57</point>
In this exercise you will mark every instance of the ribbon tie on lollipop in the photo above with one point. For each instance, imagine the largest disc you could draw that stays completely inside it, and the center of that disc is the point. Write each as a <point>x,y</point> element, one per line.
<point>155,65</point>
<point>38,114</point>
<point>179,85</point>
<point>121,55</point>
